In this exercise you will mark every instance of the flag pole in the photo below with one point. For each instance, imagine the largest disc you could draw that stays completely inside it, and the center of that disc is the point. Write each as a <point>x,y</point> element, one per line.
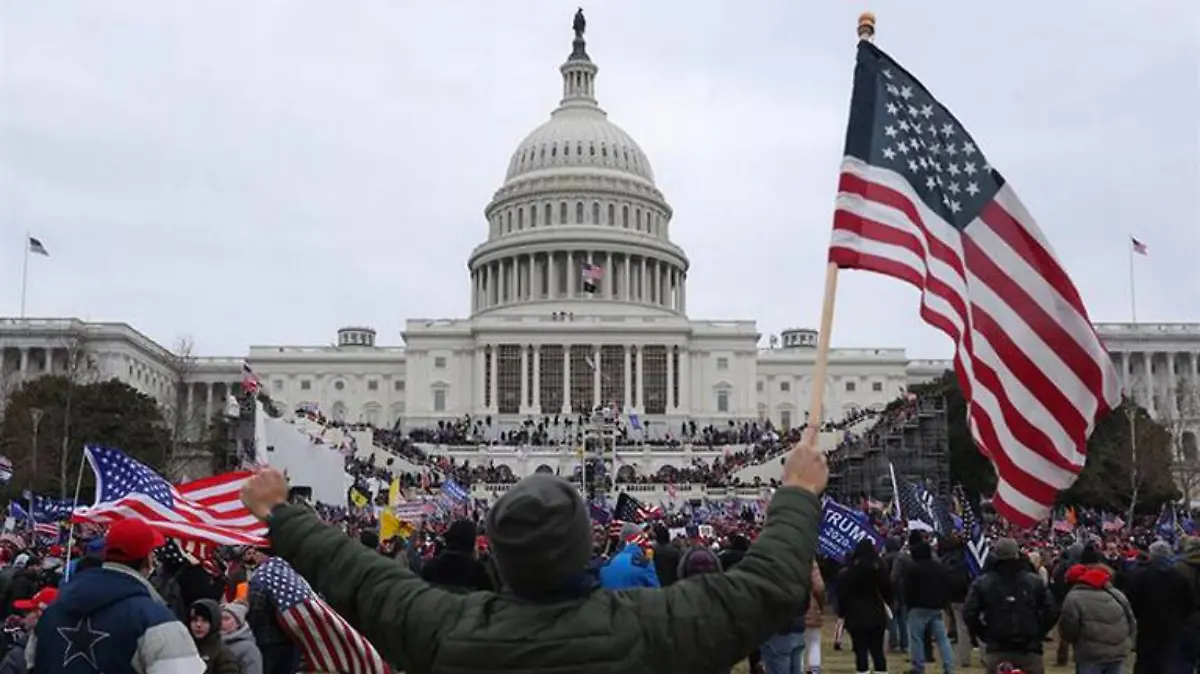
<point>71,533</point>
<point>24,275</point>
<point>866,31</point>
<point>1132,285</point>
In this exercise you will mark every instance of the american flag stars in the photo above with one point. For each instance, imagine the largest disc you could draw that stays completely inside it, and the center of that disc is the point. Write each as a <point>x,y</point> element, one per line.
<point>922,141</point>
<point>118,476</point>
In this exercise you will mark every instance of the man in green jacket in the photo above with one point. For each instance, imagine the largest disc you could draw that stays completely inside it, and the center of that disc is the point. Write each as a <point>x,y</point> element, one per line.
<point>551,617</point>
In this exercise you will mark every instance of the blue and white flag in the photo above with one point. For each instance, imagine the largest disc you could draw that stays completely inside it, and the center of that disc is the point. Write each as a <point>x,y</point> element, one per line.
<point>841,530</point>
<point>921,509</point>
<point>454,491</point>
<point>977,543</point>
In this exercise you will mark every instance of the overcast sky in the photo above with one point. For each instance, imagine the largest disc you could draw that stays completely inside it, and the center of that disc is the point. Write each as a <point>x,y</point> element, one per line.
<point>265,172</point>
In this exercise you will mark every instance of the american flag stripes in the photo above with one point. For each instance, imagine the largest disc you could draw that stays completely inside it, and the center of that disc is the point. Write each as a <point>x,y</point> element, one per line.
<point>1139,247</point>
<point>918,201</point>
<point>630,509</point>
<point>327,642</point>
<point>591,277</point>
<point>209,510</point>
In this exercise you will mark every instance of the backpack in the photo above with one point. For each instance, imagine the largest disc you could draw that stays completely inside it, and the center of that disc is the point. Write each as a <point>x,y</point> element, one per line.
<point>1010,613</point>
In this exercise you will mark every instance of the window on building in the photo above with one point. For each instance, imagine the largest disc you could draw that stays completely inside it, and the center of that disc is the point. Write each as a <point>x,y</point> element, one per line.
<point>785,419</point>
<point>439,362</point>
<point>759,387</point>
<point>722,400</point>
<point>595,212</point>
<point>785,386</point>
<point>562,213</point>
<point>851,387</point>
<point>722,363</point>
<point>549,219</point>
<point>508,379</point>
<point>339,385</point>
<point>533,216</point>
<point>612,215</point>
<point>277,386</point>
<point>305,385</point>
<point>877,386</point>
<point>372,385</point>
<point>439,400</point>
<point>398,385</point>
<point>579,212</point>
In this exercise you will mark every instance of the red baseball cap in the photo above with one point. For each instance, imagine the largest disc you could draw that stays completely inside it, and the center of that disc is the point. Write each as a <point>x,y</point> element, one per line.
<point>130,540</point>
<point>39,601</point>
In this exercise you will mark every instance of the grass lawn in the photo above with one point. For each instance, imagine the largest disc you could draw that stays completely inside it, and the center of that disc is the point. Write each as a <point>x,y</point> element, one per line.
<point>842,662</point>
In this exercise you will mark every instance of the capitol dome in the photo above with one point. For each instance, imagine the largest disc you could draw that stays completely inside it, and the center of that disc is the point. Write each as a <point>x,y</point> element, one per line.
<point>578,218</point>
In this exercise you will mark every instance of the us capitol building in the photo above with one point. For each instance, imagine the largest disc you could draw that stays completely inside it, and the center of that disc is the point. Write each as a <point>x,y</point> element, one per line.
<point>578,207</point>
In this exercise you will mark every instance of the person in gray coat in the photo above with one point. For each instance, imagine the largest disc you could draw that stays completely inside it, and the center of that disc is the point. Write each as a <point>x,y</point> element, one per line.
<point>239,639</point>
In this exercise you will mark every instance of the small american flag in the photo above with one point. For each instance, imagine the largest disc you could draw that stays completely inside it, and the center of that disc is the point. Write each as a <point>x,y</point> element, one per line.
<point>250,384</point>
<point>327,642</point>
<point>209,510</point>
<point>591,277</point>
<point>1139,247</point>
<point>630,509</point>
<point>918,201</point>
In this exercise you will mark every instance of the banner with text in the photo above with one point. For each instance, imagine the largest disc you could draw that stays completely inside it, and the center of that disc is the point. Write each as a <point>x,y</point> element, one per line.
<point>842,528</point>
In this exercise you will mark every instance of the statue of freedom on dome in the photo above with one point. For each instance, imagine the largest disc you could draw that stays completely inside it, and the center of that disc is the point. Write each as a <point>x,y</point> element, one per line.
<point>580,24</point>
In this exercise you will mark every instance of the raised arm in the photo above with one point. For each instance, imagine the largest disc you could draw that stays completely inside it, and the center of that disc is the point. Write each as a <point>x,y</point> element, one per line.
<point>398,612</point>
<point>714,620</point>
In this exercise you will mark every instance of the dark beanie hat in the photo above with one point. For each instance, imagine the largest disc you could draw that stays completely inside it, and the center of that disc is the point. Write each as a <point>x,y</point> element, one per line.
<point>540,534</point>
<point>460,536</point>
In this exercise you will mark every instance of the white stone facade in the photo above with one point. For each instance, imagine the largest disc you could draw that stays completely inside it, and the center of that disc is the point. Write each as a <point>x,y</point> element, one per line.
<point>578,206</point>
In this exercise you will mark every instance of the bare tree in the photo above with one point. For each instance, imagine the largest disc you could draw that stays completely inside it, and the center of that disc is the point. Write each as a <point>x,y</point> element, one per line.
<point>185,420</point>
<point>80,369</point>
<point>1183,422</point>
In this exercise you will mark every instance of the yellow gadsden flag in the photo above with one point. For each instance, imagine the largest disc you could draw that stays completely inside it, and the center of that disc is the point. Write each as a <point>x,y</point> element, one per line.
<point>391,526</point>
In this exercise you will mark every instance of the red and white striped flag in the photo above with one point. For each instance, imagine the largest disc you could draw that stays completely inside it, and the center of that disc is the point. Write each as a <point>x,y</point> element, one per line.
<point>1139,247</point>
<point>327,642</point>
<point>208,510</point>
<point>918,201</point>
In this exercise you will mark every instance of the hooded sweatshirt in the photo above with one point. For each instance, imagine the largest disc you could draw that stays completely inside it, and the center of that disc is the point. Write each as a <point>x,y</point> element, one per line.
<point>1096,617</point>
<point>240,642</point>
<point>116,624</point>
<point>212,650</point>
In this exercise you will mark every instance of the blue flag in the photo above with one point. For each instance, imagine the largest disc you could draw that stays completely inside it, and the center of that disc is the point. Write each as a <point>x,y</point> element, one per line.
<point>841,530</point>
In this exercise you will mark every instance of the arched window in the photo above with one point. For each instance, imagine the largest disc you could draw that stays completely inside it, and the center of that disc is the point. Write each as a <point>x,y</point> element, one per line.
<point>595,212</point>
<point>533,216</point>
<point>562,213</point>
<point>612,215</point>
<point>521,218</point>
<point>508,220</point>
<point>579,212</point>
<point>549,215</point>
<point>625,217</point>
<point>638,214</point>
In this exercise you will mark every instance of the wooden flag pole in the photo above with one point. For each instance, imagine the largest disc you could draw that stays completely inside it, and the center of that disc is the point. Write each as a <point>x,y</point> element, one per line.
<point>866,31</point>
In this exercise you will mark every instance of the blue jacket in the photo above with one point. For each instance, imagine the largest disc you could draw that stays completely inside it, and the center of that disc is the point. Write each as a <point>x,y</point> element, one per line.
<point>110,620</point>
<point>627,569</point>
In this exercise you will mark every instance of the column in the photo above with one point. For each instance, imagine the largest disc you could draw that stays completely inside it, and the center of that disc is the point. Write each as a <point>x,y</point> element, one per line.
<point>24,363</point>
<point>627,286</point>
<point>552,275</point>
<point>610,279</point>
<point>685,397</point>
<point>683,292</point>
<point>1172,384</point>
<point>1127,372</point>
<point>662,285</point>
<point>1193,384</point>
<point>643,283</point>
<point>670,378</point>
<point>596,376</point>
<point>493,364</point>
<point>524,378</point>
<point>481,365</point>
<point>1148,359</point>
<point>208,401</point>
<point>628,370</point>
<point>189,397</point>
<point>641,376</point>
<point>566,382</point>
<point>537,378</point>
<point>572,278</point>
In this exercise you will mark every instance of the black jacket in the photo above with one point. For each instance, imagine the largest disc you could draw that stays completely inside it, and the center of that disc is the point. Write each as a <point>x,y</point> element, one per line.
<point>666,563</point>
<point>988,590</point>
<point>925,584</point>
<point>457,571</point>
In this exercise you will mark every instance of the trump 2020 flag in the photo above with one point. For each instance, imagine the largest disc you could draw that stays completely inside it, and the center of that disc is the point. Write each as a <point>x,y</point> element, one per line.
<point>842,529</point>
<point>918,201</point>
<point>327,642</point>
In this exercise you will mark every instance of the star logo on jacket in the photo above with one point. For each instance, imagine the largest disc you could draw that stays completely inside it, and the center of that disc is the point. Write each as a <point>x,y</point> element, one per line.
<point>81,642</point>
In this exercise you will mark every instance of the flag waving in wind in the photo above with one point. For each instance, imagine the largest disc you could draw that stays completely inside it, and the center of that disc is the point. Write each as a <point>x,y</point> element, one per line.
<point>37,247</point>
<point>918,201</point>
<point>327,642</point>
<point>209,510</point>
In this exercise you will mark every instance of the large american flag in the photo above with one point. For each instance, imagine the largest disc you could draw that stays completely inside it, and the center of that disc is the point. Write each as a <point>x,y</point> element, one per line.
<point>209,510</point>
<point>327,642</point>
<point>918,201</point>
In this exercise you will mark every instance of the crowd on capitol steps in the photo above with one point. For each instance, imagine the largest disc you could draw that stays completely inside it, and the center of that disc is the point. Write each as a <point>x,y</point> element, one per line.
<point>544,581</point>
